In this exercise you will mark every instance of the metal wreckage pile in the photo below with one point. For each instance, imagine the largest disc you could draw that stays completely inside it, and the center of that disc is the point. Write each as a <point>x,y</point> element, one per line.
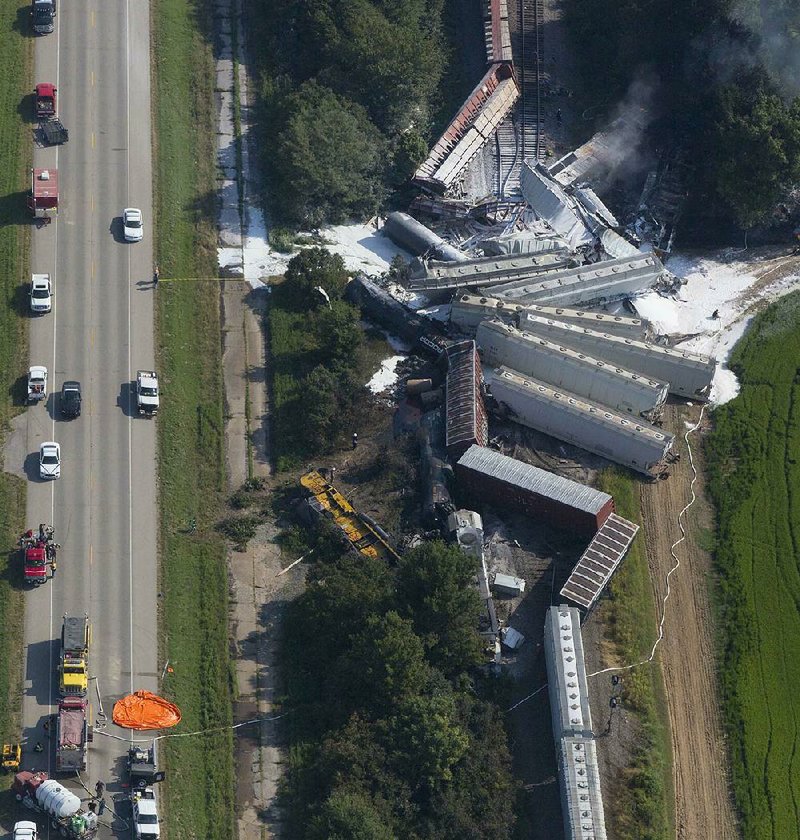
<point>534,280</point>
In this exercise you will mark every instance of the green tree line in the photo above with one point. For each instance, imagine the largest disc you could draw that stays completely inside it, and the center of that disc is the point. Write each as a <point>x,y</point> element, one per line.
<point>727,77</point>
<point>392,734</point>
<point>316,343</point>
<point>345,101</point>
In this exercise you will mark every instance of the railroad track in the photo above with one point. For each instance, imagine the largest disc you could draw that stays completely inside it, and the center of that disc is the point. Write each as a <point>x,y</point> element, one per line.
<point>529,62</point>
<point>519,137</point>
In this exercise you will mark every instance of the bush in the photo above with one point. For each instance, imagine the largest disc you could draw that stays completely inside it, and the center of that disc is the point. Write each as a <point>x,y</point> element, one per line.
<point>310,270</point>
<point>239,529</point>
<point>282,240</point>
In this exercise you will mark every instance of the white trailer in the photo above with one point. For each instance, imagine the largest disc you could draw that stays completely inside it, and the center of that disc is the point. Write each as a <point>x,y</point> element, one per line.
<point>468,310</point>
<point>568,417</point>
<point>596,380</point>
<point>687,374</point>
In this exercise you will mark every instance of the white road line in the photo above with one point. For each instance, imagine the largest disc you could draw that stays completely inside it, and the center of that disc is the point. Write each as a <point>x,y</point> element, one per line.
<point>130,318</point>
<point>53,288</point>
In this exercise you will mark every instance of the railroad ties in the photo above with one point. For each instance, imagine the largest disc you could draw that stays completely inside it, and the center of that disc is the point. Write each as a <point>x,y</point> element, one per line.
<point>519,136</point>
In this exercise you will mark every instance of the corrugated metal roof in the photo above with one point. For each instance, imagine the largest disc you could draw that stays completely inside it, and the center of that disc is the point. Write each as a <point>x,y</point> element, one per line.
<point>528,477</point>
<point>466,417</point>
<point>600,560</point>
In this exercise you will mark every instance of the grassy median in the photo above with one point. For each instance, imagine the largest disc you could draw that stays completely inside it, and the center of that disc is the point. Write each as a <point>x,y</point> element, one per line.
<point>642,804</point>
<point>16,150</point>
<point>754,460</point>
<point>194,608</point>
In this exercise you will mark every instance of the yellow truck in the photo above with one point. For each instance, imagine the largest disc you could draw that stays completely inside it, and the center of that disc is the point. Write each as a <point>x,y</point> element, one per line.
<point>76,636</point>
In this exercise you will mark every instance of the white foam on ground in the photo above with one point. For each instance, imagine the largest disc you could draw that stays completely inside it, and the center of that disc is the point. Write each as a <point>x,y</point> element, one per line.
<point>361,247</point>
<point>711,285</point>
<point>386,375</point>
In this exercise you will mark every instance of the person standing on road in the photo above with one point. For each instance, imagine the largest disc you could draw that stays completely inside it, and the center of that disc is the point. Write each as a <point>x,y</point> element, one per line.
<point>99,788</point>
<point>53,567</point>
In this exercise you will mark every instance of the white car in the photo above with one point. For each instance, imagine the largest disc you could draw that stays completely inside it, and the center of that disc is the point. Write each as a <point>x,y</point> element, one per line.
<point>50,460</point>
<point>25,830</point>
<point>132,224</point>
<point>41,294</point>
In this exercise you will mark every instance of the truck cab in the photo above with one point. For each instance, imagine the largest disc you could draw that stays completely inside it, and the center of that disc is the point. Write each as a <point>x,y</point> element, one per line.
<point>37,383</point>
<point>35,565</point>
<point>43,15</point>
<point>74,666</point>
<point>45,101</point>
<point>147,392</point>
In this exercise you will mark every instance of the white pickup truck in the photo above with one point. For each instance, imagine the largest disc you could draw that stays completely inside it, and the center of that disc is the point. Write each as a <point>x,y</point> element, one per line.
<point>145,814</point>
<point>41,294</point>
<point>37,383</point>
<point>147,392</point>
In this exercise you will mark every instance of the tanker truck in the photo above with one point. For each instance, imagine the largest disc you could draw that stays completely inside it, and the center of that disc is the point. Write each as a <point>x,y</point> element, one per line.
<point>62,807</point>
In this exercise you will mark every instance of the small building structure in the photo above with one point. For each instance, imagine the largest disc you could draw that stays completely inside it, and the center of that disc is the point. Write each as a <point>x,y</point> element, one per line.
<point>591,378</point>
<point>508,483</point>
<point>628,441</point>
<point>467,422</point>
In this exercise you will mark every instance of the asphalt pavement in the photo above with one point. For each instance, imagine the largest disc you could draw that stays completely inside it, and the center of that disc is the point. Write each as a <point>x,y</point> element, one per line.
<point>100,332</point>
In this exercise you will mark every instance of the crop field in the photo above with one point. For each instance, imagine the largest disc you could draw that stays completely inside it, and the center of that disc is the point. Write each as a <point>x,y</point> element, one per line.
<point>754,456</point>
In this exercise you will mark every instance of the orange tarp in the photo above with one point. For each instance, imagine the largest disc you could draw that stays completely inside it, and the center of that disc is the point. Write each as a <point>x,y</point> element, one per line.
<point>144,710</point>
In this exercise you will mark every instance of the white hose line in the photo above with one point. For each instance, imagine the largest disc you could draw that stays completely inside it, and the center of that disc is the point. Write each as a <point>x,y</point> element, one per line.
<point>191,734</point>
<point>674,567</point>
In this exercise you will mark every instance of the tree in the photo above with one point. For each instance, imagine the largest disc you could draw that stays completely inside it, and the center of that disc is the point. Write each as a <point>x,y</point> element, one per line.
<point>475,803</point>
<point>328,158</point>
<point>311,269</point>
<point>340,333</point>
<point>753,124</point>
<point>436,587</point>
<point>385,665</point>
<point>335,402</point>
<point>350,816</point>
<point>340,598</point>
<point>427,739</point>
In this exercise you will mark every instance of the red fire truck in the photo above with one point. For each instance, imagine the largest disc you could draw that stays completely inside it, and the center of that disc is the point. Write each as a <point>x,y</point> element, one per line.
<point>43,198</point>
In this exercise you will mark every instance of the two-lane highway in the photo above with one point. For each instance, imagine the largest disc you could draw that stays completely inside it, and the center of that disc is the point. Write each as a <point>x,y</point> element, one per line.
<point>100,331</point>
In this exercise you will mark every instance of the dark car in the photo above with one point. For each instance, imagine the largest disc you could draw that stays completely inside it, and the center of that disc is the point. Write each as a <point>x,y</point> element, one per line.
<point>71,399</point>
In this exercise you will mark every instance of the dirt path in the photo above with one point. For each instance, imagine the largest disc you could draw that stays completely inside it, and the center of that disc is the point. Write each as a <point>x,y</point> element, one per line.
<point>703,806</point>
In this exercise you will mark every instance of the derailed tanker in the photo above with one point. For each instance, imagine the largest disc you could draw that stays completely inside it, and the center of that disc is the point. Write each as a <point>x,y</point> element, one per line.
<point>379,306</point>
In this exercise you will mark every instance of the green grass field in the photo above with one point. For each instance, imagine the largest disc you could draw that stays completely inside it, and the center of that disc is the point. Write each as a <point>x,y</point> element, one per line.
<point>194,615</point>
<point>642,804</point>
<point>16,150</point>
<point>754,457</point>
